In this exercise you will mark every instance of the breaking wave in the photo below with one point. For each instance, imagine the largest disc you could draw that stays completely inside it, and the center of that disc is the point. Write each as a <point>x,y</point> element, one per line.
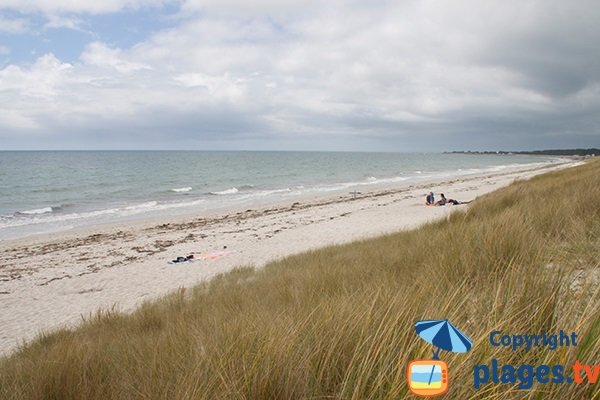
<point>233,190</point>
<point>182,190</point>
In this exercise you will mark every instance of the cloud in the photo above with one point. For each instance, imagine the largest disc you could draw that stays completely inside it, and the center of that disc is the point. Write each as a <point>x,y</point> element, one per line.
<point>551,46</point>
<point>70,6</point>
<point>14,25</point>
<point>100,55</point>
<point>55,22</point>
<point>394,75</point>
<point>257,7</point>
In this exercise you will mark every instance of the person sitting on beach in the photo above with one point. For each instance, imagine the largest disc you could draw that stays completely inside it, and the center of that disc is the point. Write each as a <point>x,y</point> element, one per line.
<point>430,199</point>
<point>442,201</point>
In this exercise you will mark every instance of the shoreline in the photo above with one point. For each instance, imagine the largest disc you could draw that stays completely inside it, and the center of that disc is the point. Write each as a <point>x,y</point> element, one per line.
<point>339,195</point>
<point>59,216</point>
<point>51,280</point>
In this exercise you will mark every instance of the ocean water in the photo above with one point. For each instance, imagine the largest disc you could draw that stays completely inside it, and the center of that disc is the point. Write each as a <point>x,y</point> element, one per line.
<point>43,192</point>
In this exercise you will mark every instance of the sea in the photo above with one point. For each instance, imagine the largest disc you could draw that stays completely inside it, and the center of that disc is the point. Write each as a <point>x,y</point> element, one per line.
<point>53,191</point>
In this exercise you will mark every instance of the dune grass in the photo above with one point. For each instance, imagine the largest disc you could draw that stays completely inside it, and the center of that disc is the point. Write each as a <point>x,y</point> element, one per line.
<point>338,323</point>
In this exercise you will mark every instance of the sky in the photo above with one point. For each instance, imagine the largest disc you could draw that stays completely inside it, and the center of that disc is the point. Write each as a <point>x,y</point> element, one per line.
<point>343,75</point>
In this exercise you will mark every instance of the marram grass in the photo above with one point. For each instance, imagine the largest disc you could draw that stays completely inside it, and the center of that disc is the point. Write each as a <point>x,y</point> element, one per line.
<point>338,323</point>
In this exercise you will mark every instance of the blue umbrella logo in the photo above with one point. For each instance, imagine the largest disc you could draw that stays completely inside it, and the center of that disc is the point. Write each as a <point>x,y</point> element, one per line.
<point>443,335</point>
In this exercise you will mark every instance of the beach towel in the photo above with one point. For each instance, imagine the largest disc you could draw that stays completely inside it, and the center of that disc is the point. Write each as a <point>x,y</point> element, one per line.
<point>212,255</point>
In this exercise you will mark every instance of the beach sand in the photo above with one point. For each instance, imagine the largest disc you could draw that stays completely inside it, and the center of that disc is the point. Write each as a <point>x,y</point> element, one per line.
<point>53,280</point>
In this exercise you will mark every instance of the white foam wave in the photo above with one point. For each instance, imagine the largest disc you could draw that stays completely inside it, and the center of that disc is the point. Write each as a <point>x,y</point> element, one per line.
<point>349,185</point>
<point>150,206</point>
<point>390,180</point>
<point>265,193</point>
<point>36,211</point>
<point>228,191</point>
<point>142,206</point>
<point>182,190</point>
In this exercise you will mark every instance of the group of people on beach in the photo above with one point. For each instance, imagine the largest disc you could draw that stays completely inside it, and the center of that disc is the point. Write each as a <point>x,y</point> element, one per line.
<point>430,200</point>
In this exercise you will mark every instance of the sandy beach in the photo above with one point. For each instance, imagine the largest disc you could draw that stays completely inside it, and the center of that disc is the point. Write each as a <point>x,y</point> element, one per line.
<point>53,280</point>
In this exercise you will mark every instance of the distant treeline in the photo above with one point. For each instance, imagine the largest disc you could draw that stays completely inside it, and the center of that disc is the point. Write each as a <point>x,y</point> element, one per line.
<point>563,152</point>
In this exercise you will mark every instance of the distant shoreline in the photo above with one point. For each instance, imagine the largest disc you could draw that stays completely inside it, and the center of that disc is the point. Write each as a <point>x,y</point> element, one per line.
<point>592,152</point>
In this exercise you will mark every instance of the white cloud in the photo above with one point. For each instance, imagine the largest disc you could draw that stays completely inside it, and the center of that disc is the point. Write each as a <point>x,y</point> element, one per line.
<point>217,87</point>
<point>382,69</point>
<point>15,25</point>
<point>56,21</point>
<point>100,55</point>
<point>256,7</point>
<point>74,6</point>
<point>41,80</point>
<point>29,92</point>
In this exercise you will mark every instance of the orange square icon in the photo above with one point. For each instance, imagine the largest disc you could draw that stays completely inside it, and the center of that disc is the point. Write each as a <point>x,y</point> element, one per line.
<point>427,378</point>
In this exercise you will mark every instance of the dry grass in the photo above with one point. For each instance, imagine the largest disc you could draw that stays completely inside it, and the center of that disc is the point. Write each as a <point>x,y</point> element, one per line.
<point>338,323</point>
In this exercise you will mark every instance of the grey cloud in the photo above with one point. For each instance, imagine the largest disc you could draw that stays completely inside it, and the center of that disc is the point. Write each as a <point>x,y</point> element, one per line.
<point>412,75</point>
<point>555,52</point>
